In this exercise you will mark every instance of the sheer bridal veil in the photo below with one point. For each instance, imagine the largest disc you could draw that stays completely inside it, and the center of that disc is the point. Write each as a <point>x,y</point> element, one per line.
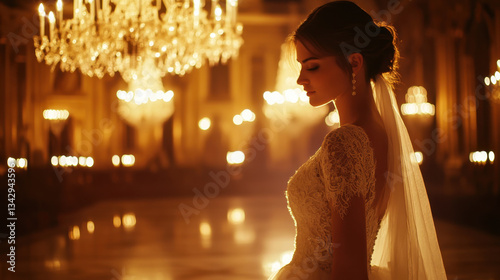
<point>406,245</point>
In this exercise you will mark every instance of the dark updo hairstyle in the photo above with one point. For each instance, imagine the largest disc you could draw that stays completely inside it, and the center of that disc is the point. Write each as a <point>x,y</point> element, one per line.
<point>341,28</point>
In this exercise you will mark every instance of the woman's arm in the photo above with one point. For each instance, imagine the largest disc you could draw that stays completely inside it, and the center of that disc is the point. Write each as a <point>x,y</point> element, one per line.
<point>348,169</point>
<point>350,258</point>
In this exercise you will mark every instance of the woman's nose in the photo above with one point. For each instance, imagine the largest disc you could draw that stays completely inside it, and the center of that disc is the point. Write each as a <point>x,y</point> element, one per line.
<point>301,80</point>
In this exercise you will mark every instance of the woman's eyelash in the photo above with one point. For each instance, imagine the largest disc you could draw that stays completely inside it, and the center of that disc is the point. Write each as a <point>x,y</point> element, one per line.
<point>312,68</point>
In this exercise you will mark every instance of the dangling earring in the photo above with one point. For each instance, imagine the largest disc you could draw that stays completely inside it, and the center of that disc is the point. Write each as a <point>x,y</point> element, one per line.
<point>353,84</point>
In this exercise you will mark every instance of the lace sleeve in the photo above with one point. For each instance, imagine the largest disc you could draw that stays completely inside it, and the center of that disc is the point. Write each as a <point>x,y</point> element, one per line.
<point>347,166</point>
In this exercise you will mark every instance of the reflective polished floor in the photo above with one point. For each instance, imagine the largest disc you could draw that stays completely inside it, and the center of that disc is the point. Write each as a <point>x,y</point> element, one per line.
<point>201,238</point>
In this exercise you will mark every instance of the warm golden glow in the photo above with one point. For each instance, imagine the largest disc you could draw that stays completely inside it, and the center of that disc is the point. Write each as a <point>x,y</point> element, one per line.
<point>21,163</point>
<point>236,216</point>
<point>129,221</point>
<point>206,234</point>
<point>146,102</point>
<point>416,102</point>
<point>237,157</point>
<point>52,18</point>
<point>90,227</point>
<point>205,229</point>
<point>116,160</point>
<point>141,96</point>
<point>493,84</point>
<point>237,119</point>
<point>117,221</point>
<point>482,157</point>
<point>273,267</point>
<point>244,235</point>
<point>204,123</point>
<point>41,10</point>
<point>51,114</point>
<point>11,162</point>
<point>69,161</point>
<point>333,118</point>
<point>89,162</point>
<point>417,157</point>
<point>247,115</point>
<point>487,81</point>
<point>74,233</point>
<point>128,160</point>
<point>97,39</point>
<point>54,160</point>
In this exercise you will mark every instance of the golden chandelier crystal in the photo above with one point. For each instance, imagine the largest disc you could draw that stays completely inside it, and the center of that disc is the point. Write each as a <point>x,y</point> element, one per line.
<point>130,36</point>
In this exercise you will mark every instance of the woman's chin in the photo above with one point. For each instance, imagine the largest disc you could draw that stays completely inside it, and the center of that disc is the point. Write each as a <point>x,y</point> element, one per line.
<point>317,103</point>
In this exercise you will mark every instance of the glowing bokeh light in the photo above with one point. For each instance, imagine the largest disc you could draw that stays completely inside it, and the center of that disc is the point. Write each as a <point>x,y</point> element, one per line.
<point>416,102</point>
<point>237,119</point>
<point>248,115</point>
<point>236,216</point>
<point>90,227</point>
<point>115,160</point>
<point>482,157</point>
<point>332,118</point>
<point>205,229</point>
<point>51,114</point>
<point>117,221</point>
<point>128,160</point>
<point>54,161</point>
<point>129,221</point>
<point>74,233</point>
<point>236,157</point>
<point>487,81</point>
<point>204,123</point>
<point>89,162</point>
<point>417,157</point>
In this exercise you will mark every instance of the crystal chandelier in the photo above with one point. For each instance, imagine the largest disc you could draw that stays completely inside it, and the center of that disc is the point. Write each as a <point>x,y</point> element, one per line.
<point>108,36</point>
<point>145,104</point>
<point>416,102</point>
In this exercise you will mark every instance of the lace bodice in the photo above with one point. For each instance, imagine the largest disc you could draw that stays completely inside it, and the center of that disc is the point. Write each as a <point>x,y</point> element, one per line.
<point>343,167</point>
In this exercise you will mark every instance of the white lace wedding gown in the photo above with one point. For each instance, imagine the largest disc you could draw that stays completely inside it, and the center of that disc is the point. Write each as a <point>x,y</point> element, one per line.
<point>343,167</point>
<point>403,244</point>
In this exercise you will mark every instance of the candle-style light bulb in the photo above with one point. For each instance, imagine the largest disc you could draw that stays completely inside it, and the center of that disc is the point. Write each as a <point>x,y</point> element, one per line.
<point>52,18</point>
<point>41,10</point>
<point>52,21</point>
<point>59,6</point>
<point>41,13</point>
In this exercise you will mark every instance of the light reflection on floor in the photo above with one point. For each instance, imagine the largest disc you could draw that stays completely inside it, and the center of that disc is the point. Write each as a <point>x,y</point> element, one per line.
<point>231,238</point>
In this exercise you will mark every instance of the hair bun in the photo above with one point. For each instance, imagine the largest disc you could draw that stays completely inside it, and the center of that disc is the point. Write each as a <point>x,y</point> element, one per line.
<point>384,55</point>
<point>341,28</point>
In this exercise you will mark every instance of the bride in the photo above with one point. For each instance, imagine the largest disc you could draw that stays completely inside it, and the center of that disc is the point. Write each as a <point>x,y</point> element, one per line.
<point>359,203</point>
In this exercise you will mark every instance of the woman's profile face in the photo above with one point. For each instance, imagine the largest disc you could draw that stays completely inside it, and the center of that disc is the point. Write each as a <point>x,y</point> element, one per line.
<point>321,77</point>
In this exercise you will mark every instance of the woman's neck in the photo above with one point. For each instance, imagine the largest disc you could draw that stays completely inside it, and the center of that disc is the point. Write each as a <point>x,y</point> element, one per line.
<point>356,109</point>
